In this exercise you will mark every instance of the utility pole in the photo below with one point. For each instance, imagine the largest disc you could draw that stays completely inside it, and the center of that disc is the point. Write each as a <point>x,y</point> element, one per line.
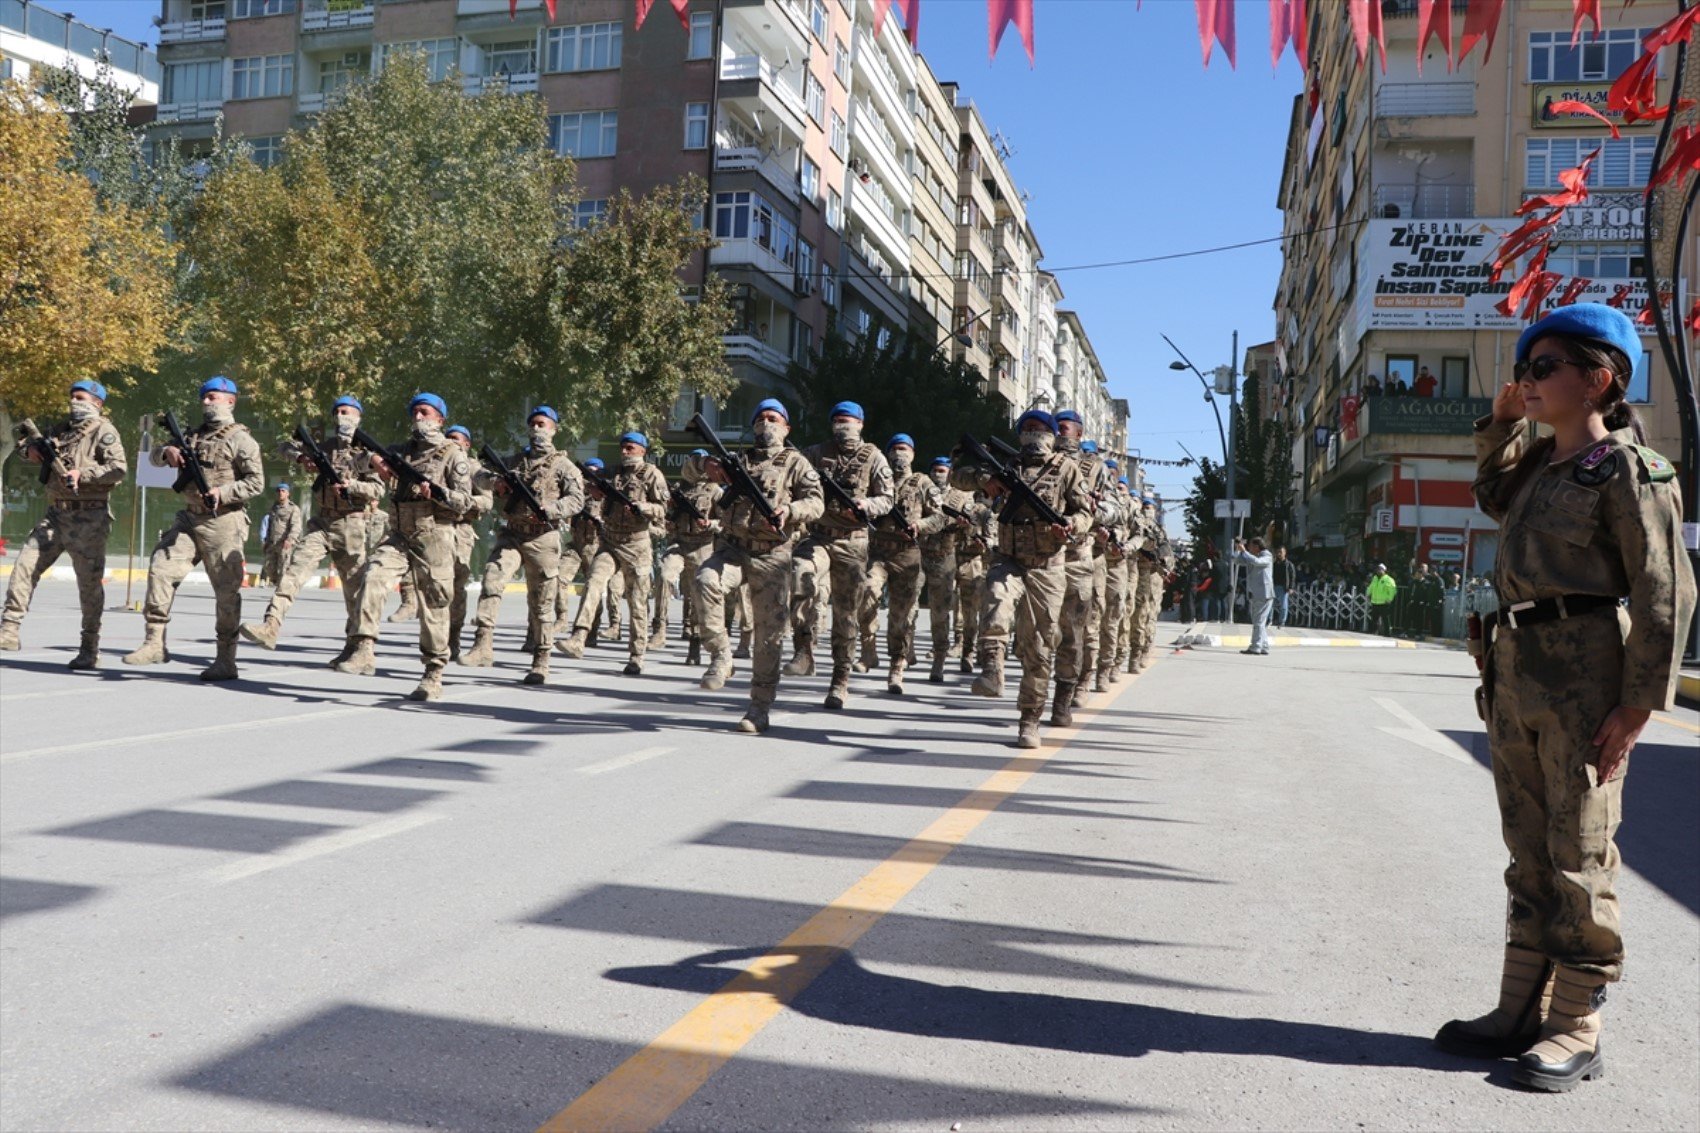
<point>1233,378</point>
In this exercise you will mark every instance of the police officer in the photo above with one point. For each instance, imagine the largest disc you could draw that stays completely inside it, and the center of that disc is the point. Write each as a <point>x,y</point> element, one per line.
<point>628,548</point>
<point>832,563</point>
<point>528,541</point>
<point>1588,519</point>
<point>421,543</point>
<point>88,463</point>
<point>894,557</point>
<point>339,527</point>
<point>752,551</point>
<point>466,538</point>
<point>1027,580</point>
<point>212,528</point>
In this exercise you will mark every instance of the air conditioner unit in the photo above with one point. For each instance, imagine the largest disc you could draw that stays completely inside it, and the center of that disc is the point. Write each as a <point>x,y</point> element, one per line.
<point>351,59</point>
<point>805,285</point>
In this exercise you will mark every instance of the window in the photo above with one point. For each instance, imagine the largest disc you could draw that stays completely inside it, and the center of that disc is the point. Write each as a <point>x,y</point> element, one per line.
<point>834,210</point>
<point>1639,390</point>
<point>837,135</point>
<point>805,262</point>
<point>828,287</point>
<point>503,59</point>
<point>249,9</point>
<point>1624,163</point>
<point>337,73</point>
<point>1598,261</point>
<point>266,151</point>
<point>811,181</point>
<point>441,55</point>
<point>696,125</point>
<point>262,76</point>
<point>587,214</point>
<point>193,82</point>
<point>701,42</point>
<point>841,61</point>
<point>1454,377</point>
<point>1553,60</point>
<point>732,216</point>
<point>818,19</point>
<point>1400,366</point>
<point>815,95</point>
<point>803,342</point>
<point>594,133</point>
<point>744,215</point>
<point>206,10</point>
<point>583,47</point>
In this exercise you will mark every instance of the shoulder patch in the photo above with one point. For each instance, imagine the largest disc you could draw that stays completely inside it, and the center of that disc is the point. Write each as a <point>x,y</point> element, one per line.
<point>1658,468</point>
<point>109,438</point>
<point>1593,472</point>
<point>1596,455</point>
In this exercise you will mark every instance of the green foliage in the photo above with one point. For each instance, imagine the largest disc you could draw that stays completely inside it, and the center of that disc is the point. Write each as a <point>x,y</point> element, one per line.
<point>1263,452</point>
<point>906,387</point>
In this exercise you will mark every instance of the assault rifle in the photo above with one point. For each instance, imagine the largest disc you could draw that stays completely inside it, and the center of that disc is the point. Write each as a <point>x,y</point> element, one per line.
<point>742,483</point>
<point>683,502</point>
<point>841,496</point>
<point>966,518</point>
<point>321,460</point>
<point>608,488</point>
<point>193,472</point>
<point>32,439</point>
<point>519,492</point>
<point>403,471</point>
<point>1011,479</point>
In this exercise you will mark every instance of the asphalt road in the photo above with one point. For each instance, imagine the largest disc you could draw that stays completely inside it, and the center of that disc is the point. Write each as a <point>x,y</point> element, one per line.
<point>1243,893</point>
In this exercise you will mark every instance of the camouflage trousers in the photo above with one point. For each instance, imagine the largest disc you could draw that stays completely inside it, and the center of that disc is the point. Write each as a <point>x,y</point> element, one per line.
<point>79,534</point>
<point>1148,605</point>
<point>970,600</point>
<point>422,550</point>
<point>830,571</point>
<point>466,538</point>
<point>767,578</point>
<point>1083,609</point>
<point>217,541</point>
<point>1112,640</point>
<point>940,571</point>
<point>679,569</point>
<point>277,556</point>
<point>539,557</point>
<point>902,573</point>
<point>344,540</point>
<point>631,560</point>
<point>574,558</point>
<point>1024,606</point>
<point>1553,685</point>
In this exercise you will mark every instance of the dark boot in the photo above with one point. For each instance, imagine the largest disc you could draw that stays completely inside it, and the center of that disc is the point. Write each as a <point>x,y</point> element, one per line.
<point>1514,1026</point>
<point>88,653</point>
<point>1062,706</point>
<point>693,652</point>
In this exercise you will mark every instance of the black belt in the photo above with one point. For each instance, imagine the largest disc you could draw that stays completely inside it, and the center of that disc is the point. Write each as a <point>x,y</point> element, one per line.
<point>1520,614</point>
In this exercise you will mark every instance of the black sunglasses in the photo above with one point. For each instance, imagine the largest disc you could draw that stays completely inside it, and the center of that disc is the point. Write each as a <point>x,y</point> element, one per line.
<point>1540,369</point>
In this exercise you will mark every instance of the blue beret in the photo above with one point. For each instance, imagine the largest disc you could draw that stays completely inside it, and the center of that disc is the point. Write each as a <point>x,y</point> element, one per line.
<point>1122,480</point>
<point>218,383</point>
<point>92,388</point>
<point>461,429</point>
<point>352,403</point>
<point>596,463</point>
<point>774,404</point>
<point>282,486</point>
<point>430,399</point>
<point>941,462</point>
<point>1594,321</point>
<point>546,412</point>
<point>1069,415</point>
<point>900,439</point>
<point>1039,416</point>
<point>847,409</point>
<point>634,437</point>
<point>1088,446</point>
<point>699,452</point>
<point>1110,463</point>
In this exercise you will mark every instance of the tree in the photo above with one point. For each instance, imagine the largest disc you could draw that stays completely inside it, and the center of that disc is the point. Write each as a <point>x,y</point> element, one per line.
<point>906,386</point>
<point>85,288</point>
<point>1263,455</point>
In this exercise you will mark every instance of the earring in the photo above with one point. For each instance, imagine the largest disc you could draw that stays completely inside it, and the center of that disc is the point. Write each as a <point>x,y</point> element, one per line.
<point>1588,404</point>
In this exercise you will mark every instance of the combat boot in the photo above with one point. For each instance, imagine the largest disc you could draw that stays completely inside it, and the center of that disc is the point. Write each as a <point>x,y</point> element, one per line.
<point>742,653</point>
<point>592,638</point>
<point>1514,1026</point>
<point>754,722</point>
<point>481,655</point>
<point>573,645</point>
<point>990,681</point>
<point>454,644</point>
<point>1062,705</point>
<point>1079,698</point>
<point>658,639</point>
<point>840,690</point>
<point>894,677</point>
<point>529,645</point>
<point>407,611</point>
<point>719,668</point>
<point>1101,681</point>
<point>802,663</point>
<point>634,667</point>
<point>152,650</point>
<point>693,651</point>
<point>1027,729</point>
<point>870,657</point>
<point>936,674</point>
<point>9,637</point>
<point>264,634</point>
<point>1569,1051</point>
<point>223,667</point>
<point>615,624</point>
<point>539,671</point>
<point>361,660</point>
<point>88,653</point>
<point>342,654</point>
<point>430,686</point>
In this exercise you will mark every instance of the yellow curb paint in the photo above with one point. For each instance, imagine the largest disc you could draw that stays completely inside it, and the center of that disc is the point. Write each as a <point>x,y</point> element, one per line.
<point>1675,723</point>
<point>647,1088</point>
<point>1688,685</point>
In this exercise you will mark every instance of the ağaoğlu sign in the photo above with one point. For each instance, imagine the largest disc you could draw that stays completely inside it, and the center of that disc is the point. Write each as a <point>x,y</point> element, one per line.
<point>1434,275</point>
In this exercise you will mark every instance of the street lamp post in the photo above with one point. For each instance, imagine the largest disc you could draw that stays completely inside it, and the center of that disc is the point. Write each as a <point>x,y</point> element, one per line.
<point>1228,374</point>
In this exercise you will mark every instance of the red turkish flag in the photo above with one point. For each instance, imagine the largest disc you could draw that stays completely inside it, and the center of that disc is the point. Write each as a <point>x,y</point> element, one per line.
<point>1434,19</point>
<point>1583,10</point>
<point>1684,155</point>
<point>1573,290</point>
<point>1571,106</point>
<point>1481,24</point>
<point>1299,19</point>
<point>1280,29</point>
<point>1216,24</point>
<point>1694,317</point>
<point>1000,14</point>
<point>1366,25</point>
<point>1619,294</point>
<point>911,10</point>
<point>681,8</point>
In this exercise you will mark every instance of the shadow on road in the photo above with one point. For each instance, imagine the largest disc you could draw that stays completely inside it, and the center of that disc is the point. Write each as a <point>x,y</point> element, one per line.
<point>20,896</point>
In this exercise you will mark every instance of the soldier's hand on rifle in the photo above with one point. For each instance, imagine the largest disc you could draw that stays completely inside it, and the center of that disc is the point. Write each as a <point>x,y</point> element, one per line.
<point>172,455</point>
<point>1103,536</point>
<point>72,478</point>
<point>424,491</point>
<point>594,492</point>
<point>716,471</point>
<point>500,487</point>
<point>215,497</point>
<point>31,454</point>
<point>995,487</point>
<point>780,515</point>
<point>1060,530</point>
<point>382,467</point>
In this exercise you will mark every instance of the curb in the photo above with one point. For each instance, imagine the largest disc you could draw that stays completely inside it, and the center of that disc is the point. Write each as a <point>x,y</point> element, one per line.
<point>1216,641</point>
<point>1688,685</point>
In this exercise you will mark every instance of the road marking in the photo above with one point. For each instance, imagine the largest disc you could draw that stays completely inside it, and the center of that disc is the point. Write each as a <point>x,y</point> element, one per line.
<point>647,1088</point>
<point>1420,733</point>
<point>319,847</point>
<point>1675,723</point>
<point>626,760</point>
<point>42,695</point>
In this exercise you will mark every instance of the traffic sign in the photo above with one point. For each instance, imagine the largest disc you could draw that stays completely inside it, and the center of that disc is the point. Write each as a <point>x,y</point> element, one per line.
<point>1233,509</point>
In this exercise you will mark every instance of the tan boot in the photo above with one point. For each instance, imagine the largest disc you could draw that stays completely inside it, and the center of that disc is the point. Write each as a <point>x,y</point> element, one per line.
<point>361,661</point>
<point>870,657</point>
<point>9,637</point>
<point>88,653</point>
<point>482,654</point>
<point>894,677</point>
<point>223,667</point>
<point>430,686</point>
<point>1101,682</point>
<point>264,634</point>
<point>152,651</point>
<point>990,681</point>
<point>1027,729</point>
<point>802,663</point>
<point>573,645</point>
<point>1062,705</point>
<point>1079,699</point>
<point>754,722</point>
<point>840,690</point>
<point>342,654</point>
<point>1514,1026</point>
<point>936,674</point>
<point>539,671</point>
<point>1569,1051</point>
<point>407,611</point>
<point>719,668</point>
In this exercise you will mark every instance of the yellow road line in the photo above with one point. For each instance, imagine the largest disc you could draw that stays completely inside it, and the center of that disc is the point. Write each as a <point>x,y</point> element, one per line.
<point>1675,723</point>
<point>646,1089</point>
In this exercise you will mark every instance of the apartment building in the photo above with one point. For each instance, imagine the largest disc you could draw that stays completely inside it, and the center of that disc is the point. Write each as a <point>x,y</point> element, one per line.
<point>33,37</point>
<point>1395,191</point>
<point>932,229</point>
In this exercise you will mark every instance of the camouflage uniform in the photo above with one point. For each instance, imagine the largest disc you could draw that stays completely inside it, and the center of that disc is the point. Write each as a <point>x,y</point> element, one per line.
<point>230,459</point>
<point>834,557</point>
<point>528,542</point>
<point>582,536</point>
<point>895,559</point>
<point>283,528</point>
<point>466,541</point>
<point>1153,559</point>
<point>691,541</point>
<point>1117,568</point>
<point>1083,604</point>
<point>972,553</point>
<point>627,552</point>
<point>751,553</point>
<point>940,563</point>
<point>420,545</point>
<point>76,524</point>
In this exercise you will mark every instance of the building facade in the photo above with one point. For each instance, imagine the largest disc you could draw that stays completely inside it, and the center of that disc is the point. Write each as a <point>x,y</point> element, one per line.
<point>1396,190</point>
<point>33,37</point>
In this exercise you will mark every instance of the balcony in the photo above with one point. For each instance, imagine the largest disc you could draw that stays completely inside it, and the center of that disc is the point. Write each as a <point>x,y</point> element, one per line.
<point>869,204</point>
<point>316,102</point>
<point>750,252</point>
<point>1424,202</point>
<point>746,68</point>
<point>882,80</point>
<point>1425,100</point>
<point>203,111</point>
<point>331,15</point>
<point>736,159</point>
<point>522,83</point>
<point>749,348</point>
<point>191,31</point>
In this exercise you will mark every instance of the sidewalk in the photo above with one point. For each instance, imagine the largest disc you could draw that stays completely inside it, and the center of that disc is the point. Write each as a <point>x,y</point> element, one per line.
<point>1220,635</point>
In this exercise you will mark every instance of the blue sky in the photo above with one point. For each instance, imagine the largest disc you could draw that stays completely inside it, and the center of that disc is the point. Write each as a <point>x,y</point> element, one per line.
<point>1130,148</point>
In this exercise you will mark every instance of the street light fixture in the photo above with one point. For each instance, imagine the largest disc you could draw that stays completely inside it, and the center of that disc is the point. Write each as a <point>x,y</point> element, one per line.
<point>1226,381</point>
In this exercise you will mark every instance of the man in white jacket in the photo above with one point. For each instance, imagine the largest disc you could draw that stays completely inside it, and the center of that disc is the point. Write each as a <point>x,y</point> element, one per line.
<point>1260,590</point>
